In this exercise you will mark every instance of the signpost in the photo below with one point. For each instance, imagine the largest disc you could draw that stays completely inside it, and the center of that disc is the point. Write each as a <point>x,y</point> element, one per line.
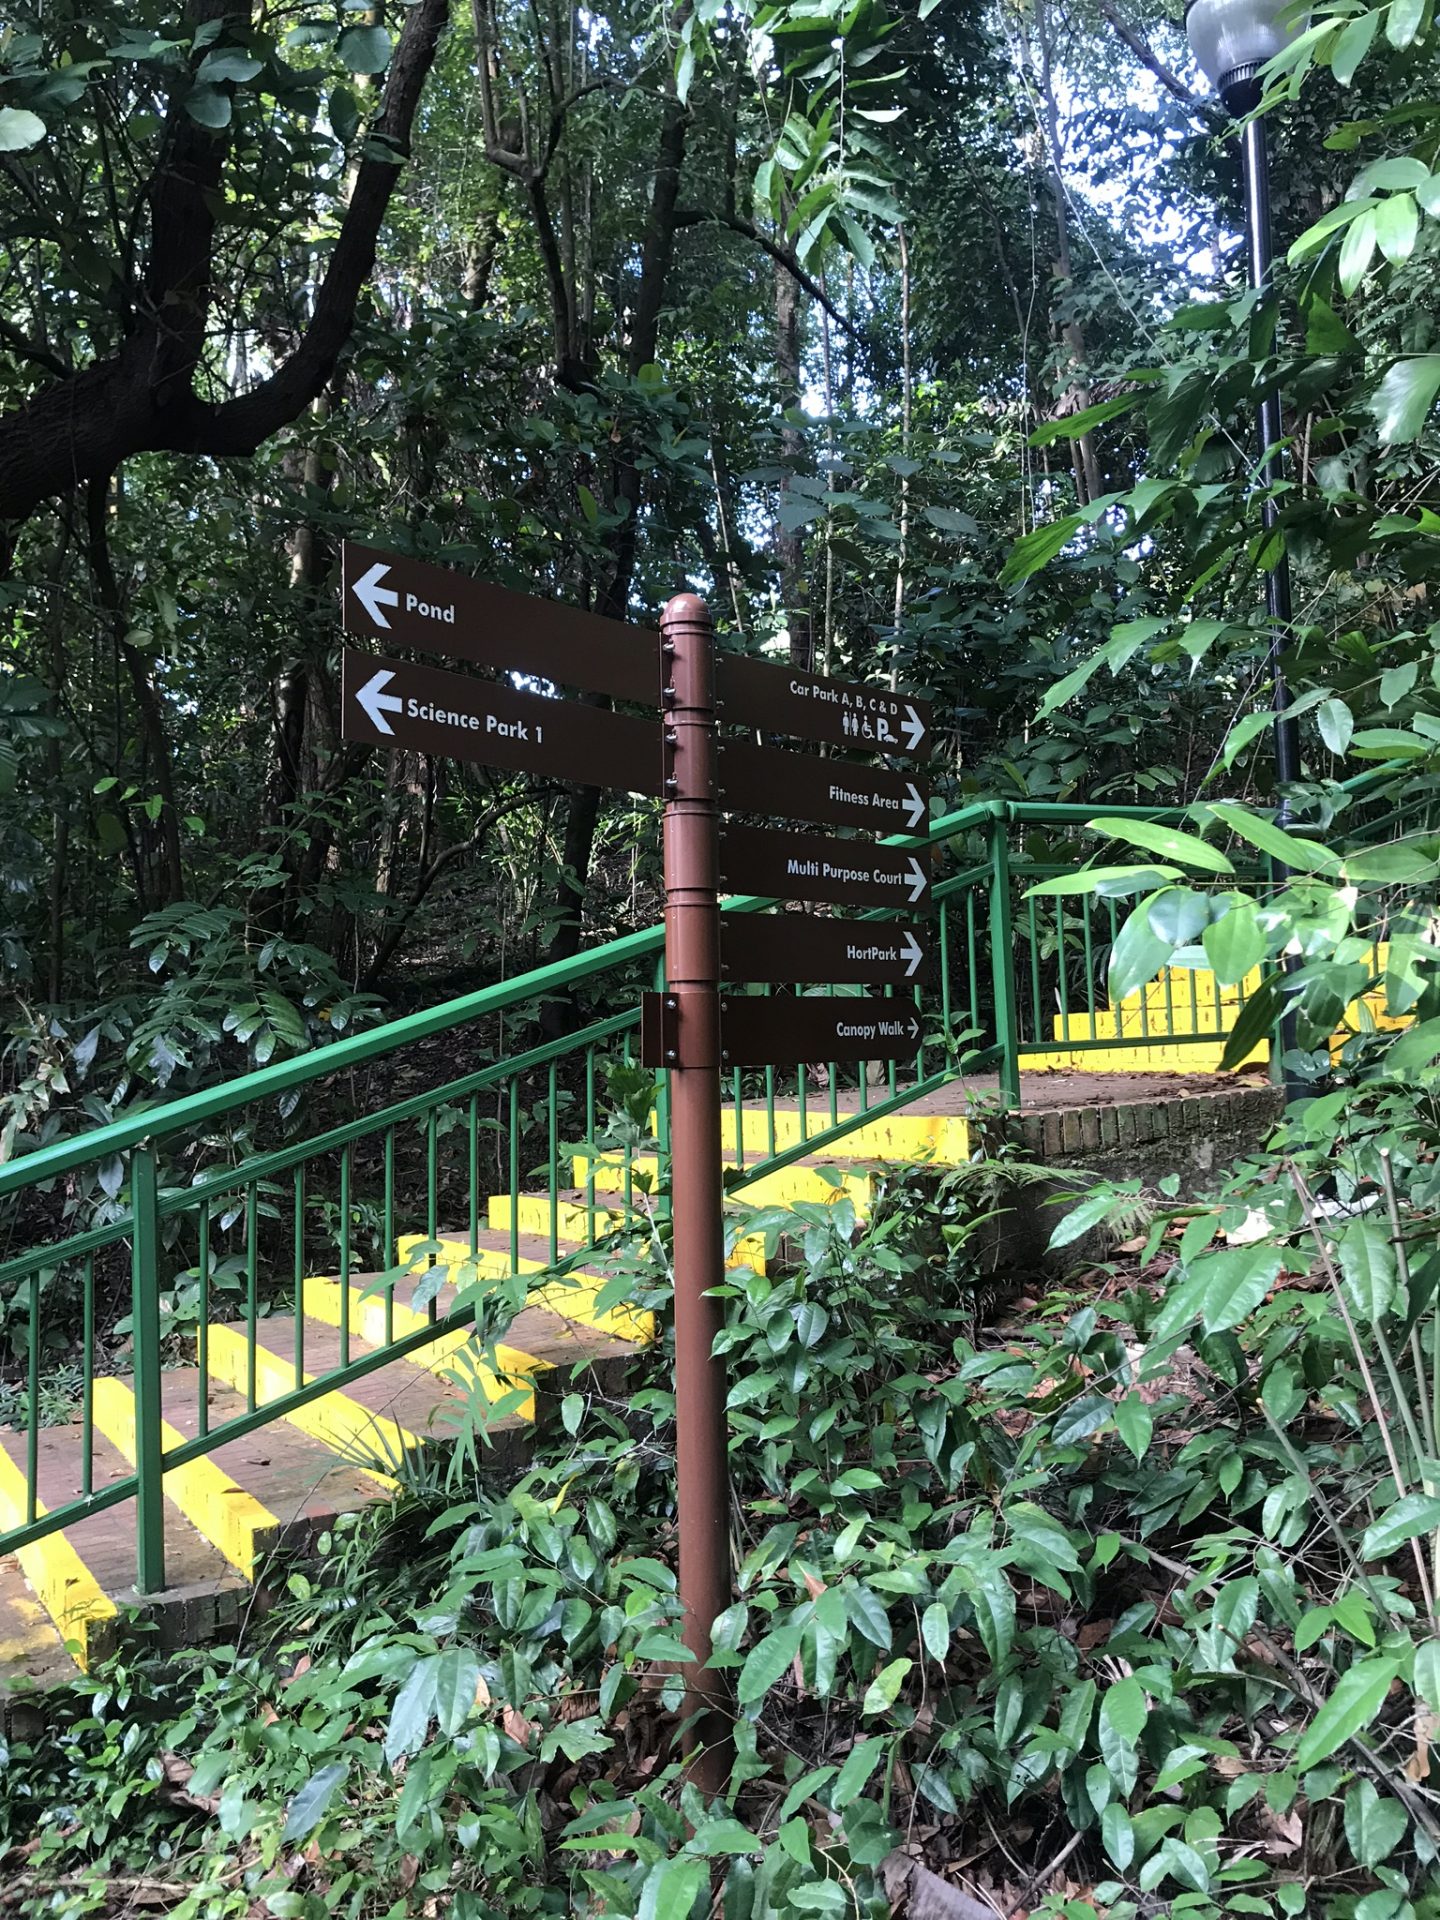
<point>412,603</point>
<point>399,704</point>
<point>787,948</point>
<point>809,866</point>
<point>797,786</point>
<point>690,1028</point>
<point>772,1030</point>
<point>777,699</point>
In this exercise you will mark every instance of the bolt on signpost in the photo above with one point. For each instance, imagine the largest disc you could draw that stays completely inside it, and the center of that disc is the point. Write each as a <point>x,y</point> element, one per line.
<point>692,969</point>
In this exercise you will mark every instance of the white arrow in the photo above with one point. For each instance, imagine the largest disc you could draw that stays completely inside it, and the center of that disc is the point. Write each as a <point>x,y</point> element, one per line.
<point>914,1029</point>
<point>917,878</point>
<point>377,703</point>
<point>372,596</point>
<point>914,953</point>
<point>917,805</point>
<point>913,728</point>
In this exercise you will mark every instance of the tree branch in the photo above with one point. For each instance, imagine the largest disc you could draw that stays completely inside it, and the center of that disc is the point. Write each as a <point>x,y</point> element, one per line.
<point>698,217</point>
<point>143,398</point>
<point>1148,58</point>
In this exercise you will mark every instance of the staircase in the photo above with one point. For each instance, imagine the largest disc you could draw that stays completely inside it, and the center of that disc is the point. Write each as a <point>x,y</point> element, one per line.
<point>173,1487</point>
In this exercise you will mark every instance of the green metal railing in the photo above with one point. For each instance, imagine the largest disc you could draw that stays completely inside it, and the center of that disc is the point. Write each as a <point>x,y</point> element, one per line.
<point>228,1206</point>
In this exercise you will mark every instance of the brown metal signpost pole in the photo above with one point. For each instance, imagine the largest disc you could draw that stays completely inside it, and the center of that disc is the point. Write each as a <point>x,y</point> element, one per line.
<point>692,967</point>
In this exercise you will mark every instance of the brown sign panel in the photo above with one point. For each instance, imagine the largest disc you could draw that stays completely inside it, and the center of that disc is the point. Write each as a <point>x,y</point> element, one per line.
<point>810,866</point>
<point>797,786</point>
<point>783,948</point>
<point>778,1031</point>
<point>778,699</point>
<point>410,603</point>
<point>396,703</point>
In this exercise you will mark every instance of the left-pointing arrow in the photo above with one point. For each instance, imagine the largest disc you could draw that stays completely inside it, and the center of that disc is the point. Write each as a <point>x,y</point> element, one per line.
<point>372,596</point>
<point>376,702</point>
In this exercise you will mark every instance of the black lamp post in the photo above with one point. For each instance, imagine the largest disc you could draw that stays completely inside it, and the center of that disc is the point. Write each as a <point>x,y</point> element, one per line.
<point>1233,40</point>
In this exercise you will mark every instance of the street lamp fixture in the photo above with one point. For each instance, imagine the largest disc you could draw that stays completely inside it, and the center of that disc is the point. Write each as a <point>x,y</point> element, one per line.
<point>1233,40</point>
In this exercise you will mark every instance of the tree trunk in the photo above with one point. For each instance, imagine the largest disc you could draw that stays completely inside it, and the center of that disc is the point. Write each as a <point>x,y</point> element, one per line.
<point>790,541</point>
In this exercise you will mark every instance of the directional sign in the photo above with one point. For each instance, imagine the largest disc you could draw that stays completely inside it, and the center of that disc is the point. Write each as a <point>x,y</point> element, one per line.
<point>776,699</point>
<point>808,866</point>
<point>399,704</point>
<point>797,786</point>
<point>777,1031</point>
<point>785,948</point>
<point>410,603</point>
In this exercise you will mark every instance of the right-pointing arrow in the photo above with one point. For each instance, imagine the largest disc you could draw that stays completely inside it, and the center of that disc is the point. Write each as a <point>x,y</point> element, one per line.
<point>917,880</point>
<point>372,596</point>
<point>914,953</point>
<point>376,702</point>
<point>913,728</point>
<point>916,804</point>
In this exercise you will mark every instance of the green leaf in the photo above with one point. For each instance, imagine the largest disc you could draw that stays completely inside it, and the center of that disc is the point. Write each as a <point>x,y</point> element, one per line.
<point>1402,402</point>
<point>1416,1513</point>
<point>672,1887</point>
<point>1035,550</point>
<point>312,1802</point>
<point>1353,45</point>
<point>365,49</point>
<point>19,130</point>
<point>1236,1280</point>
<point>1235,943</point>
<point>410,1715</point>
<point>1168,842</point>
<point>1402,23</point>
<point>227,63</point>
<point>1359,1694</point>
<point>1098,879</point>
<point>1123,1713</point>
<point>1374,1827</point>
<point>880,1694</point>
<point>860,1763</point>
<point>209,106</point>
<point>1254,1024</point>
<point>1337,726</point>
<point>1397,224</point>
<point>1357,250</point>
<point>1301,856</point>
<point>1075,426</point>
<point>1135,1424</point>
<point>1118,1835</point>
<point>1138,954</point>
<point>1042,1534</point>
<point>1427,1673</point>
<point>1080,1418</point>
<point>457,1680</point>
<point>1367,1270</point>
<point>766,1661</point>
<point>1389,743</point>
<point>935,1630</point>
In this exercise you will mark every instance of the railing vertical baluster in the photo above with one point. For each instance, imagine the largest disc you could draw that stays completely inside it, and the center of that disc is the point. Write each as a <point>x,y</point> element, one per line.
<point>432,1176</point>
<point>770,1112</point>
<point>145,1344</point>
<point>344,1252</point>
<point>1088,936</point>
<point>1118,1010</point>
<point>1002,958</point>
<point>87,1402</point>
<point>972,949</point>
<point>252,1293</point>
<point>1060,963</point>
<point>32,1411</point>
<point>737,1101</point>
<point>202,1335</point>
<point>391,1255</point>
<point>473,1174</point>
<point>552,1141</point>
<point>945,965</point>
<point>800,1092</point>
<point>298,1271</point>
<point>1035,1024</point>
<point>590,1141</point>
<point>515,1178</point>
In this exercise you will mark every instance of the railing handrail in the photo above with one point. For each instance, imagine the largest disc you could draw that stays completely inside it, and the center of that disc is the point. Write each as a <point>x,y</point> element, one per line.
<point>157,1121</point>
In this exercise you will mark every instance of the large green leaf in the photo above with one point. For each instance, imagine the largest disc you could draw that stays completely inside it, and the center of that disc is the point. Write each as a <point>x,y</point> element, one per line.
<point>1337,726</point>
<point>1402,402</point>
<point>766,1661</point>
<point>19,129</point>
<point>1235,943</point>
<point>1367,1270</point>
<point>1038,548</point>
<point>1236,1280</point>
<point>312,1802</point>
<point>1101,879</point>
<point>1374,1827</point>
<point>1254,1023</point>
<point>1302,856</point>
<point>1416,1513</point>
<point>1168,842</point>
<point>1138,954</point>
<point>365,49</point>
<point>410,1715</point>
<point>1358,1696</point>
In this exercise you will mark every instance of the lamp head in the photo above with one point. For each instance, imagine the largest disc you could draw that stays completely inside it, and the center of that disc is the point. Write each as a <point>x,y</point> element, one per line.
<point>1234,39</point>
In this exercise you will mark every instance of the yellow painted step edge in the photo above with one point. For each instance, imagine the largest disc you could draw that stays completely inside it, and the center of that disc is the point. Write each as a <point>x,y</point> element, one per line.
<point>571,1295</point>
<point>241,1527</point>
<point>367,1321</point>
<point>334,1419</point>
<point>84,1614</point>
<point>36,1638</point>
